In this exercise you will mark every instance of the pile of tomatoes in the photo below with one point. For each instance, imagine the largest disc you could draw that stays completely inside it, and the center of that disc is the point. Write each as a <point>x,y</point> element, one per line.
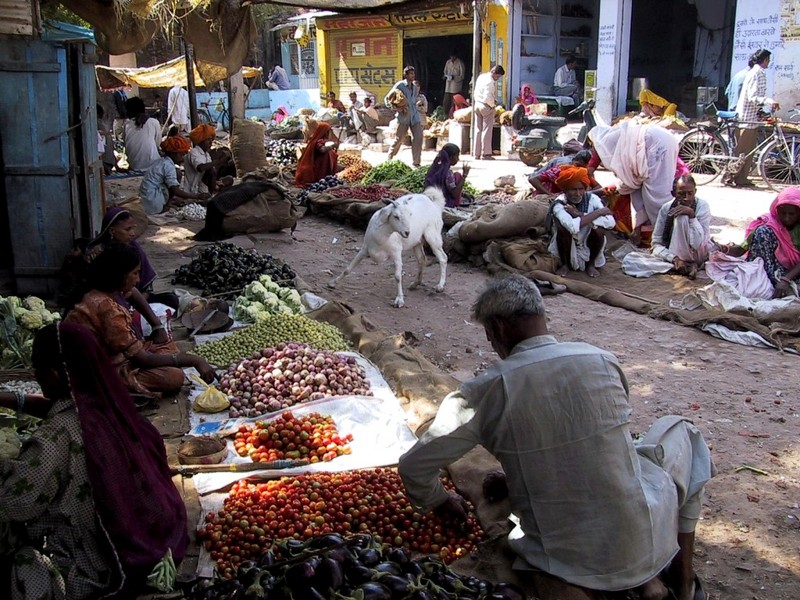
<point>369,501</point>
<point>312,436</point>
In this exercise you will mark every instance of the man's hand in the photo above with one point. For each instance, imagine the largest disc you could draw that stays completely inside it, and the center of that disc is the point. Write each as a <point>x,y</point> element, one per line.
<point>680,266</point>
<point>465,170</point>
<point>573,211</point>
<point>681,210</point>
<point>203,196</point>
<point>604,212</point>
<point>455,506</point>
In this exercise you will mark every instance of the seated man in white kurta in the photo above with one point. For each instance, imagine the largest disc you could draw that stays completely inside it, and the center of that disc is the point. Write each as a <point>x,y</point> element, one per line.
<point>579,221</point>
<point>681,236</point>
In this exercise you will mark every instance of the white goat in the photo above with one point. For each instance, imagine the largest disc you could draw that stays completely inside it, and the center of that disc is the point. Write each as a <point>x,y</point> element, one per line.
<point>403,224</point>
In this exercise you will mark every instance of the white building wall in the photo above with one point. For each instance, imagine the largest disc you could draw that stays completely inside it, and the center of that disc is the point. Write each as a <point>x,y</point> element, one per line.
<point>613,47</point>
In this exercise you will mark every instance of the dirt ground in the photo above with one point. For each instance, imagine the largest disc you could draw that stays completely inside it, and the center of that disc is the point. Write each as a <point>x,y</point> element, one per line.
<point>745,401</point>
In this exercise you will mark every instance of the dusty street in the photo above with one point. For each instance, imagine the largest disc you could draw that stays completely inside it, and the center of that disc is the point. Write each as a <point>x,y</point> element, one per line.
<point>746,401</point>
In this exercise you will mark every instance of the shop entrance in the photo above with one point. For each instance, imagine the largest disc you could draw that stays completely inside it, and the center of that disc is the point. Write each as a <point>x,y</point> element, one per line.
<point>668,61</point>
<point>429,55</point>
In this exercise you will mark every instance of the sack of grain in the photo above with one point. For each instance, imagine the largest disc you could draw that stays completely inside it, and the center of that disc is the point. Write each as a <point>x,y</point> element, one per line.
<point>247,145</point>
<point>495,222</point>
<point>463,115</point>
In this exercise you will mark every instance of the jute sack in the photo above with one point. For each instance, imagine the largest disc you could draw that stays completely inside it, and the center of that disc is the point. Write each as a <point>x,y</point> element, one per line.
<point>511,220</point>
<point>247,145</point>
<point>252,207</point>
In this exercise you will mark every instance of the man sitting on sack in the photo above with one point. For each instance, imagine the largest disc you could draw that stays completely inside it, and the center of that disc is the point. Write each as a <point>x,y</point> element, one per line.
<point>593,511</point>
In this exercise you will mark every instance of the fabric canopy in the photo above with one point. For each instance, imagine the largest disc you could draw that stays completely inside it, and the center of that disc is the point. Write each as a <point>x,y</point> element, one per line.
<point>165,75</point>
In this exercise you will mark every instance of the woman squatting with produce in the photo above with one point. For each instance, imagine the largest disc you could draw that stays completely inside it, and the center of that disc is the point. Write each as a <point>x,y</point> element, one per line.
<point>147,366</point>
<point>319,156</point>
<point>440,175</point>
<point>92,482</point>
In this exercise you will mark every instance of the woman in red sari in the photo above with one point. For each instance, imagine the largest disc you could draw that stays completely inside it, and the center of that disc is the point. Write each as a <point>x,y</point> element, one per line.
<point>319,157</point>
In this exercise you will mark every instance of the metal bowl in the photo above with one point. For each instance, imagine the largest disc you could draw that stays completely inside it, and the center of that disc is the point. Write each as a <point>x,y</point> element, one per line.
<point>202,450</point>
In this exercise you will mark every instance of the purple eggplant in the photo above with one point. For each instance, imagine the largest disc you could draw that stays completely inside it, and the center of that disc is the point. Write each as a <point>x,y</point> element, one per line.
<point>329,575</point>
<point>300,575</point>
<point>413,568</point>
<point>358,575</point>
<point>325,541</point>
<point>399,586</point>
<point>397,555</point>
<point>388,567</point>
<point>422,595</point>
<point>369,557</point>
<point>267,560</point>
<point>373,590</point>
<point>340,555</point>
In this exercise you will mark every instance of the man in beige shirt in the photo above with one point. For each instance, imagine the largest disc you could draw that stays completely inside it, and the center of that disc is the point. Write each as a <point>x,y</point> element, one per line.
<point>484,102</point>
<point>453,81</point>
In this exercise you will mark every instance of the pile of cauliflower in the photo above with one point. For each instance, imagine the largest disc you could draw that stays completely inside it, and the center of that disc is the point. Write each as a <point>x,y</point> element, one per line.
<point>264,297</point>
<point>20,319</point>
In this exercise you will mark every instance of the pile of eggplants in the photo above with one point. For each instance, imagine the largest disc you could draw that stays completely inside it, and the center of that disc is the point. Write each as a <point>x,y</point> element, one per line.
<point>358,567</point>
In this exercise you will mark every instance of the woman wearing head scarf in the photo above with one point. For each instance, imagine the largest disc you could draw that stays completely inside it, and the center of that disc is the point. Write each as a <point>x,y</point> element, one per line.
<point>90,490</point>
<point>528,98</point>
<point>142,135</point>
<point>147,367</point>
<point>775,239</point>
<point>577,222</point>
<point>160,182</point>
<point>654,105</point>
<point>440,175</point>
<point>119,227</point>
<point>644,159</point>
<point>459,102</point>
<point>319,156</point>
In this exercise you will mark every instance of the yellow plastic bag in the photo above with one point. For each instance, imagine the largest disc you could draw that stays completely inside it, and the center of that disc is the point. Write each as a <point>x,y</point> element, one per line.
<point>210,400</point>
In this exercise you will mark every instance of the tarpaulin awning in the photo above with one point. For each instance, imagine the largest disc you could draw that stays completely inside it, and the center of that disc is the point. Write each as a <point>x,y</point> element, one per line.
<point>165,75</point>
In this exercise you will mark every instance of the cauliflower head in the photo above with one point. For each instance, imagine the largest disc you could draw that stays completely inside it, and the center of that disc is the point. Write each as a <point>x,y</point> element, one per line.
<point>30,320</point>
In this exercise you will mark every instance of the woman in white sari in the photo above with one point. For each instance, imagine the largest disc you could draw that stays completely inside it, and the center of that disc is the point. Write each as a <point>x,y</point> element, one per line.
<point>643,157</point>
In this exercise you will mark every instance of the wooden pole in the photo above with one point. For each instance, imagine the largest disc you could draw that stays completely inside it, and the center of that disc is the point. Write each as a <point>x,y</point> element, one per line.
<point>476,65</point>
<point>190,85</point>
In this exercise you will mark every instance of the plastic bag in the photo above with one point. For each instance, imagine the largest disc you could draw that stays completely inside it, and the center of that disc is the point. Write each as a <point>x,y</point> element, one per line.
<point>210,400</point>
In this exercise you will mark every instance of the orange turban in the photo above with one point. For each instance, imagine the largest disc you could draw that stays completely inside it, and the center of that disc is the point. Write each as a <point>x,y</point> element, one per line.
<point>176,143</point>
<point>571,174</point>
<point>202,132</point>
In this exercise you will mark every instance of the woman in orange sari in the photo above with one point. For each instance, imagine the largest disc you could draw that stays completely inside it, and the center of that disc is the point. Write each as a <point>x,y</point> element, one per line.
<point>319,157</point>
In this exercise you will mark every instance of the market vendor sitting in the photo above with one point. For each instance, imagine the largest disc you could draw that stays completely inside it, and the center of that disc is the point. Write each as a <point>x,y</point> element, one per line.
<point>654,105</point>
<point>88,501</point>
<point>682,235</point>
<point>119,227</point>
<point>199,169</point>
<point>528,99</point>
<point>579,220</point>
<point>319,157</point>
<point>592,511</point>
<point>544,181</point>
<point>146,366</point>
<point>440,175</point>
<point>160,189</point>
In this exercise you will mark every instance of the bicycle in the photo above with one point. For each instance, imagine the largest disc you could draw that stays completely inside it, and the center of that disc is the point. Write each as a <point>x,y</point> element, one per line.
<point>710,150</point>
<point>219,116</point>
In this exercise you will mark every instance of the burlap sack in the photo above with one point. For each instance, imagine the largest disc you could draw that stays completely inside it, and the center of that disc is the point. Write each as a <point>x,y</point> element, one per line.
<point>252,207</point>
<point>247,145</point>
<point>495,222</point>
<point>463,115</point>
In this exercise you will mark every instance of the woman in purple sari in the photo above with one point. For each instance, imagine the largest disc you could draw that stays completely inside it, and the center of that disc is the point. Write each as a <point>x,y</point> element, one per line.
<point>119,227</point>
<point>440,175</point>
<point>91,491</point>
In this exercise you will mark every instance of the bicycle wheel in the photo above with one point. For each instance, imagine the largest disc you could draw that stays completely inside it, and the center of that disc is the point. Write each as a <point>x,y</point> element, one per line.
<point>779,163</point>
<point>704,152</point>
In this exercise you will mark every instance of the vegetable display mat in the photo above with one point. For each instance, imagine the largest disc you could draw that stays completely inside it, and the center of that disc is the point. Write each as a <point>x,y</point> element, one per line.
<point>201,423</point>
<point>377,423</point>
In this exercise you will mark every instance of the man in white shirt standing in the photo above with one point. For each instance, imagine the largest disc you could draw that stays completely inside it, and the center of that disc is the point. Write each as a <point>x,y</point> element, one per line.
<point>453,81</point>
<point>484,102</point>
<point>565,83</point>
<point>178,106</point>
<point>752,97</point>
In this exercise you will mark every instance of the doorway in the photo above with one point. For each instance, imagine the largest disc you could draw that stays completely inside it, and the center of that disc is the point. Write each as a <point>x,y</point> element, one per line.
<point>429,55</point>
<point>666,61</point>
